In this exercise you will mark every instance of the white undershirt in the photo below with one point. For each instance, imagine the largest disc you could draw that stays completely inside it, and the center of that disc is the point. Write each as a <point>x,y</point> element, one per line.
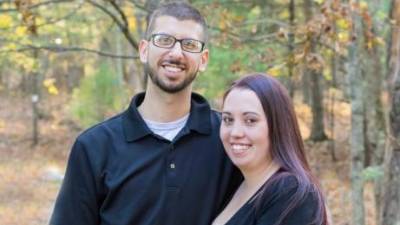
<point>167,130</point>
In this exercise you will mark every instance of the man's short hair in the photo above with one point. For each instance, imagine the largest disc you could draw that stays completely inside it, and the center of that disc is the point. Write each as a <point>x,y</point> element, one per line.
<point>180,11</point>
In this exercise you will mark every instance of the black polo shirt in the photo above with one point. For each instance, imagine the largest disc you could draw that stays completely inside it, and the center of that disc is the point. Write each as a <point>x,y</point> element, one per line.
<point>120,173</point>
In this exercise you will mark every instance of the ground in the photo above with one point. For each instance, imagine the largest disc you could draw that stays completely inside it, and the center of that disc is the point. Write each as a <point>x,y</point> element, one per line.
<point>30,176</point>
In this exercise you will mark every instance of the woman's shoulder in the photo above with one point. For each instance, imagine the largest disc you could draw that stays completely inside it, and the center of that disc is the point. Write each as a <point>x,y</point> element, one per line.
<point>286,191</point>
<point>282,181</point>
<point>283,187</point>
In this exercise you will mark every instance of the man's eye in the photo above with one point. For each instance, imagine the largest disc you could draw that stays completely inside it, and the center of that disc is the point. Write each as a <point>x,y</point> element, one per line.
<point>191,44</point>
<point>165,40</point>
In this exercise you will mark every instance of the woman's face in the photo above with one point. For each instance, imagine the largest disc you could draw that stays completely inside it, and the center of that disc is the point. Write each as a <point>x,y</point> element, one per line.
<point>244,130</point>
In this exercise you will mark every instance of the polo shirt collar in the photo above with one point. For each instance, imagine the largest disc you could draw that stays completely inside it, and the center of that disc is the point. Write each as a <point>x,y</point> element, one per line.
<point>135,128</point>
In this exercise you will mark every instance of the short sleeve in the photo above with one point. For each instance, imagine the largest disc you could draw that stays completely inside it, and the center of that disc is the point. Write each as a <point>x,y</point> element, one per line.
<point>77,202</point>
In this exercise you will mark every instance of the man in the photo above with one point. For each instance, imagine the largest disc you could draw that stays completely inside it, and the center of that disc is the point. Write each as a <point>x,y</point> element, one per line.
<point>160,161</point>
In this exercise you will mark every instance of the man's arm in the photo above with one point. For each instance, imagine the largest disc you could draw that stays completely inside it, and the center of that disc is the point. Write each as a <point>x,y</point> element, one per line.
<point>77,201</point>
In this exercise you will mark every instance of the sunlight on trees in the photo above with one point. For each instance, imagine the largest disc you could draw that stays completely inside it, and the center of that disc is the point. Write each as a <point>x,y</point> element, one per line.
<point>83,55</point>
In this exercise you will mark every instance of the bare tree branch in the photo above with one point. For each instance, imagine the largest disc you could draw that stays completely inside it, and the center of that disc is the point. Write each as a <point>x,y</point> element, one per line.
<point>139,5</point>
<point>124,29</point>
<point>60,49</point>
<point>121,13</point>
<point>38,5</point>
<point>52,21</point>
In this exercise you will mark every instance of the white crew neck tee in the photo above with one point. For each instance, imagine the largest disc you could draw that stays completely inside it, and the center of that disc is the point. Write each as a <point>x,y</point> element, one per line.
<point>167,130</point>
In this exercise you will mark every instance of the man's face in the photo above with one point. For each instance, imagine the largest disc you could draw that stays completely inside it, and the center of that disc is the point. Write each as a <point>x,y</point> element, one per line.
<point>173,69</point>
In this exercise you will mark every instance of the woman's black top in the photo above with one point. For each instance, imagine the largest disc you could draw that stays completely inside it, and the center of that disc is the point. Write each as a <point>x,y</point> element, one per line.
<point>272,199</point>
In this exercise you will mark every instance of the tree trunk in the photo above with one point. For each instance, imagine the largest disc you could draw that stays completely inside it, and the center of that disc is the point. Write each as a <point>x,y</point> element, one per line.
<point>305,80</point>
<point>375,127</point>
<point>290,64</point>
<point>318,129</point>
<point>356,82</point>
<point>35,102</point>
<point>119,66</point>
<point>391,200</point>
<point>29,20</point>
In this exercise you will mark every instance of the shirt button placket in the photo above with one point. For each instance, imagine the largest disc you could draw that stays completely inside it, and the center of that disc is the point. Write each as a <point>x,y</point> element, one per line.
<point>171,167</point>
<point>171,158</point>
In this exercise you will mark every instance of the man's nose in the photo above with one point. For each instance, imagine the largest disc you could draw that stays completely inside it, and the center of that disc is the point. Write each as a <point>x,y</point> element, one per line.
<point>176,49</point>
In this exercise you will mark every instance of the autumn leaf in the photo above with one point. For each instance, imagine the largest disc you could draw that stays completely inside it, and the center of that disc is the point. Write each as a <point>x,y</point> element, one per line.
<point>299,57</point>
<point>343,37</point>
<point>222,24</point>
<point>48,82</point>
<point>2,125</point>
<point>52,90</point>
<point>370,45</point>
<point>20,31</point>
<point>363,5</point>
<point>319,1</point>
<point>284,14</point>
<point>379,41</point>
<point>5,21</point>
<point>315,62</point>
<point>10,46</point>
<point>130,14</point>
<point>275,71</point>
<point>39,21</point>
<point>132,23</point>
<point>343,24</point>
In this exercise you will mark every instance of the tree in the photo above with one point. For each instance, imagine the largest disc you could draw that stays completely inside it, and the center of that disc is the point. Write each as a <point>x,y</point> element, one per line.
<point>357,87</point>
<point>317,128</point>
<point>391,200</point>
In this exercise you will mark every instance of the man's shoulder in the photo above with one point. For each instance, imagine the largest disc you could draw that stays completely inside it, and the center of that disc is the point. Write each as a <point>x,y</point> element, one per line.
<point>215,119</point>
<point>103,130</point>
<point>215,113</point>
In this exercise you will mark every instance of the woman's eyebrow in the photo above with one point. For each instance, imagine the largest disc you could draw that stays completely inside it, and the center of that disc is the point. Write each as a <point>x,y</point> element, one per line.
<point>251,113</point>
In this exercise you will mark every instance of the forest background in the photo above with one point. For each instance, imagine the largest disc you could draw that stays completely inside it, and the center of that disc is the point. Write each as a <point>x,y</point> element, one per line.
<point>66,65</point>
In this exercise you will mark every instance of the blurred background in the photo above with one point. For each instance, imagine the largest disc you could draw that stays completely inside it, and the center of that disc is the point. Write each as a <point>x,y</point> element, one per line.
<point>66,65</point>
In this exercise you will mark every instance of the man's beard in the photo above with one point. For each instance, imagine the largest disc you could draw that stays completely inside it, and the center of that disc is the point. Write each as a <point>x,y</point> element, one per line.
<point>163,85</point>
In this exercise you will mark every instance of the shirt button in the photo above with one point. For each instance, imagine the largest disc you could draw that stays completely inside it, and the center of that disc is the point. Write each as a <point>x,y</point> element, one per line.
<point>172,165</point>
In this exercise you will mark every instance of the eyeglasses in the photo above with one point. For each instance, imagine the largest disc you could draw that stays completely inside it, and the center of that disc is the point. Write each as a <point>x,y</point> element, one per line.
<point>168,41</point>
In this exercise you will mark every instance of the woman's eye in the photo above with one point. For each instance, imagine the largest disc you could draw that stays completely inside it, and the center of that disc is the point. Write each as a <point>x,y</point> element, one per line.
<point>250,121</point>
<point>227,120</point>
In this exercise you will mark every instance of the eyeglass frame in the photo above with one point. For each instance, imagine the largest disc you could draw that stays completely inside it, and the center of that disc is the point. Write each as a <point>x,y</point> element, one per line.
<point>177,40</point>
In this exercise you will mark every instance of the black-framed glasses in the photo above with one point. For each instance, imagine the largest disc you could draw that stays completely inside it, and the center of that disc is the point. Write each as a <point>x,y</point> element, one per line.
<point>168,41</point>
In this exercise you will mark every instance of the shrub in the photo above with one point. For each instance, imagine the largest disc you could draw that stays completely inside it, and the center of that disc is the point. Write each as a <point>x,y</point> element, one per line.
<point>98,96</point>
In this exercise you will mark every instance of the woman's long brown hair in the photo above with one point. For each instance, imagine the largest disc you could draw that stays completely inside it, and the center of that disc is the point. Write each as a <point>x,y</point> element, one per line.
<point>287,148</point>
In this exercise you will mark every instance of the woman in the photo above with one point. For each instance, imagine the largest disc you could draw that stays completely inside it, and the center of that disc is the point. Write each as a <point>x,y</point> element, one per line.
<point>261,136</point>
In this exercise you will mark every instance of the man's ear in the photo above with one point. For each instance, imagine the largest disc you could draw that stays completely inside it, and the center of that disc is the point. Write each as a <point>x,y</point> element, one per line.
<point>143,50</point>
<point>204,60</point>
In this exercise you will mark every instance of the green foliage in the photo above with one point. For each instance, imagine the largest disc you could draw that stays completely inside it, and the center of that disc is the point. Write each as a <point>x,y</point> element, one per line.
<point>372,173</point>
<point>222,70</point>
<point>99,95</point>
<point>226,65</point>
